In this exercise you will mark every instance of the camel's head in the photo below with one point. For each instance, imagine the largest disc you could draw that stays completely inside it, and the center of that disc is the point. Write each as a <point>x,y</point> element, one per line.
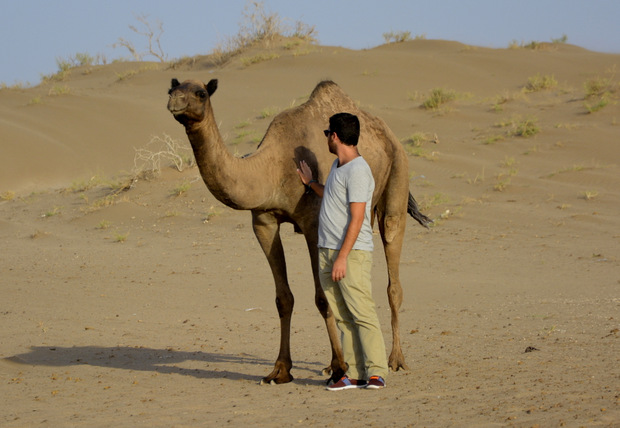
<point>189,101</point>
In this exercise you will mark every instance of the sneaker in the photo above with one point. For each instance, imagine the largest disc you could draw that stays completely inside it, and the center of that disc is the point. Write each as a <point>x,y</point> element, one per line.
<point>346,383</point>
<point>375,382</point>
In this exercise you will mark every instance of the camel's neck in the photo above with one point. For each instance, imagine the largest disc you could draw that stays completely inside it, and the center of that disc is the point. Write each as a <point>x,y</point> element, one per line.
<point>238,183</point>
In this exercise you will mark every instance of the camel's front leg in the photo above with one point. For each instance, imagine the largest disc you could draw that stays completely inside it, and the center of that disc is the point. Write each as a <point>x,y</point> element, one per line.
<point>392,230</point>
<point>267,231</point>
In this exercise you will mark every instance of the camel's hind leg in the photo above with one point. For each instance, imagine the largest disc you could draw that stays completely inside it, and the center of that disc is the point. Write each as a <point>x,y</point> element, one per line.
<point>267,231</point>
<point>392,229</point>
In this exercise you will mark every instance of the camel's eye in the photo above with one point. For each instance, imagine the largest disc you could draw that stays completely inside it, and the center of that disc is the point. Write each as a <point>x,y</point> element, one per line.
<point>201,94</point>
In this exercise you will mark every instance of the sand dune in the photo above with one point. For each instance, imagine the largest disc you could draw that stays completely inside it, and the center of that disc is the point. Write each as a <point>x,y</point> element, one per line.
<point>125,305</point>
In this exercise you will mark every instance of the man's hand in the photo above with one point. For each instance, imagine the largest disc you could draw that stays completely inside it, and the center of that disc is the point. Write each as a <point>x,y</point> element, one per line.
<point>305,173</point>
<point>339,269</point>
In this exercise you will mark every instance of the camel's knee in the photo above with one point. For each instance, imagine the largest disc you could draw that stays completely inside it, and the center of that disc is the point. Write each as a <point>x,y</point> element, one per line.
<point>392,227</point>
<point>395,294</point>
<point>285,304</point>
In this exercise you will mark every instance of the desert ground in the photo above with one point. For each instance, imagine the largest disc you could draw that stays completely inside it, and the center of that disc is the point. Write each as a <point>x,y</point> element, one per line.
<point>132,297</point>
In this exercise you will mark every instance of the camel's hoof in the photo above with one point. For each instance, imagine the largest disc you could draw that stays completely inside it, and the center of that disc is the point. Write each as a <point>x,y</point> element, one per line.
<point>397,362</point>
<point>397,366</point>
<point>276,380</point>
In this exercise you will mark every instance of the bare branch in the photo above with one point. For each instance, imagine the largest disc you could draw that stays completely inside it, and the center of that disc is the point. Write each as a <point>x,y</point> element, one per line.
<point>153,37</point>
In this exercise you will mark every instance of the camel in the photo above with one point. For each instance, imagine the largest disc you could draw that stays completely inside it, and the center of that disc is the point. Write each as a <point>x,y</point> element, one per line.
<point>266,183</point>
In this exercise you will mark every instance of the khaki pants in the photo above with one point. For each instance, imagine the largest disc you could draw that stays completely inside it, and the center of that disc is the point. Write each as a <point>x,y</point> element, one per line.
<point>354,308</point>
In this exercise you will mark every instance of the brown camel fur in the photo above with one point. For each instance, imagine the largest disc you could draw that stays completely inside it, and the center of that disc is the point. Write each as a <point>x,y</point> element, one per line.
<point>267,184</point>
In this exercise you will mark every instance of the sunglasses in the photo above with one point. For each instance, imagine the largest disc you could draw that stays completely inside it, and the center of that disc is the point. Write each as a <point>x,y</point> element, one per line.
<point>327,132</point>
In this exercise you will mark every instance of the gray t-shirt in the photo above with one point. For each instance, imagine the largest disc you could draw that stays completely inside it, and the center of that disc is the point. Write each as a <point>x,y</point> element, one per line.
<point>352,182</point>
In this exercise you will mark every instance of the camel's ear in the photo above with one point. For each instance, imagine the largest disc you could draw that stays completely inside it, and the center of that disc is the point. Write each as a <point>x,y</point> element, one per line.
<point>174,83</point>
<point>211,86</point>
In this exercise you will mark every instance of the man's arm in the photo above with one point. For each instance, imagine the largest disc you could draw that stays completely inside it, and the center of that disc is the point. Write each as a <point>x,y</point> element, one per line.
<point>358,210</point>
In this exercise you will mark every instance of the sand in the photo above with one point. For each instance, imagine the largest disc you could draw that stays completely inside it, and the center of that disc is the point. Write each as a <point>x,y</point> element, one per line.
<point>146,302</point>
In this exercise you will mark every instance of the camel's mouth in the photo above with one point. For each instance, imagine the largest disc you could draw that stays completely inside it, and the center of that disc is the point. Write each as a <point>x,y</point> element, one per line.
<point>176,109</point>
<point>176,112</point>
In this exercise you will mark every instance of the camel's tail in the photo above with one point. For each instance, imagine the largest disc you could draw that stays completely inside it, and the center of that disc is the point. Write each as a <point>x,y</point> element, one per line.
<point>412,209</point>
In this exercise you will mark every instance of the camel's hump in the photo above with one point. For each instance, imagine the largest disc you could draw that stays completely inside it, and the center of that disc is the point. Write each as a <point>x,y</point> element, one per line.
<point>327,89</point>
<point>328,96</point>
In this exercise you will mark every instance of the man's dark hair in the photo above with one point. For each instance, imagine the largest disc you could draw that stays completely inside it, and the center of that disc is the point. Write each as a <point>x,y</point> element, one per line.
<point>346,126</point>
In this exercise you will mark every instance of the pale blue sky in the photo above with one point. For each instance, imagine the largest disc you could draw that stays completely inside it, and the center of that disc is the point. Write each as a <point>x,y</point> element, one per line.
<point>34,33</point>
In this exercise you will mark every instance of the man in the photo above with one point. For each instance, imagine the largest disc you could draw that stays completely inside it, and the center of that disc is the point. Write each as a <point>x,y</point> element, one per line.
<point>345,254</point>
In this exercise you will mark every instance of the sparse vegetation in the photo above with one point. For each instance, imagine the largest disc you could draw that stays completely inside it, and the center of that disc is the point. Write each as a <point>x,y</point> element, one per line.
<point>479,178</point>
<point>430,201</point>
<point>262,57</point>
<point>508,162</point>
<point>599,105</point>
<point>574,168</point>
<point>258,26</point>
<point>243,124</point>
<point>527,127</point>
<point>126,75</point>
<point>148,160</point>
<point>520,127</point>
<point>100,203</point>
<point>413,145</point>
<point>493,139</point>
<point>421,152</point>
<point>505,98</point>
<point>397,36</point>
<point>268,112</point>
<point>53,212</point>
<point>599,92</point>
<point>57,90</point>
<point>65,66</point>
<point>15,86</point>
<point>181,189</point>
<point>502,182</point>
<point>373,73</point>
<point>120,237</point>
<point>242,135</point>
<point>599,86</point>
<point>152,35</point>
<point>134,72</point>
<point>437,98</point>
<point>64,70</point>
<point>588,195</point>
<point>84,185</point>
<point>103,224</point>
<point>504,178</point>
<point>560,40</point>
<point>7,195</point>
<point>535,45</point>
<point>213,211</point>
<point>540,83</point>
<point>418,138</point>
<point>84,59</point>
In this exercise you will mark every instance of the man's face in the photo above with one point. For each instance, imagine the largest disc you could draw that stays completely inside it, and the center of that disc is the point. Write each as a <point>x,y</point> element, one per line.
<point>330,142</point>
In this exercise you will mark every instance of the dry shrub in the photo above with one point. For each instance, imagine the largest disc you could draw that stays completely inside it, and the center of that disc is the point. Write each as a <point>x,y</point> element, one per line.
<point>148,160</point>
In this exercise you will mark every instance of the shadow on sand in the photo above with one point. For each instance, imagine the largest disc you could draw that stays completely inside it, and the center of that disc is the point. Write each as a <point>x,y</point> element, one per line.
<point>164,361</point>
